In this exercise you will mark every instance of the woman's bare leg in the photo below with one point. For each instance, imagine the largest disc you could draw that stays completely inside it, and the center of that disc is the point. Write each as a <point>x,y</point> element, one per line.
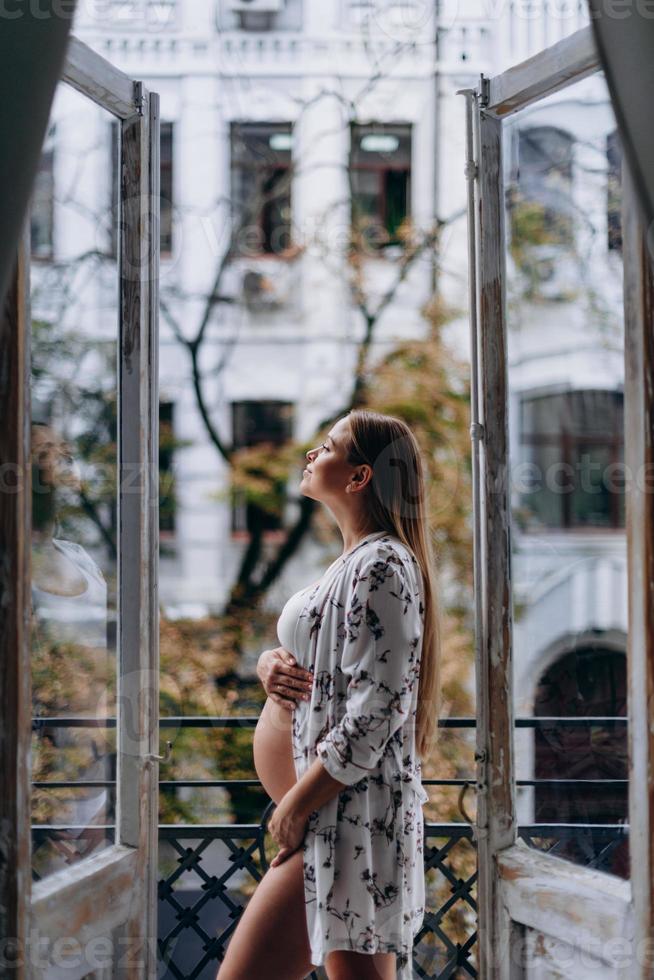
<point>344,964</point>
<point>271,938</point>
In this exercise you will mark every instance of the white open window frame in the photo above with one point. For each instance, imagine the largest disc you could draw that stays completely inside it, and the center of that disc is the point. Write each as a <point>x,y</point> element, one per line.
<point>532,904</point>
<point>110,896</point>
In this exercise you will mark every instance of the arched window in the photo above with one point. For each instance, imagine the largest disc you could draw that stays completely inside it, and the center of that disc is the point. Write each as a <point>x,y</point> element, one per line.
<point>587,682</point>
<point>573,448</point>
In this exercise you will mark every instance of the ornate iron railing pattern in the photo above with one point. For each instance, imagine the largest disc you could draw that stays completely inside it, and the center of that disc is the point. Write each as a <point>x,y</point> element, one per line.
<point>208,872</point>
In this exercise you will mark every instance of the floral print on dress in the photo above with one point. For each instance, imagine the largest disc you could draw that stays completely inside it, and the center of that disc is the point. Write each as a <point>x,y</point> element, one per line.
<point>360,632</point>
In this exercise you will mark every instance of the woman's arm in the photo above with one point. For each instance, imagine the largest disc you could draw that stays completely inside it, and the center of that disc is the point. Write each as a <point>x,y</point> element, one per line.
<point>314,789</point>
<point>289,820</point>
<point>384,625</point>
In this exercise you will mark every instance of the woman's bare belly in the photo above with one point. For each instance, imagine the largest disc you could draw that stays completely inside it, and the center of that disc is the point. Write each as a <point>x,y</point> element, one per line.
<point>273,744</point>
<point>273,750</point>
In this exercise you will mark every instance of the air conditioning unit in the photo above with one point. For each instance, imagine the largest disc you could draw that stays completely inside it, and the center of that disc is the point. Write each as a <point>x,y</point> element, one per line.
<point>260,292</point>
<point>256,6</point>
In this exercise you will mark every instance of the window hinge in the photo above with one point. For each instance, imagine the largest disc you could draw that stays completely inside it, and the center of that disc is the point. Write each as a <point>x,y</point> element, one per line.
<point>139,98</point>
<point>484,90</point>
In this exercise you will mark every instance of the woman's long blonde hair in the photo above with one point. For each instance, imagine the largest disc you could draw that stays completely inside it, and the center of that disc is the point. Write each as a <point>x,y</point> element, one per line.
<point>397,504</point>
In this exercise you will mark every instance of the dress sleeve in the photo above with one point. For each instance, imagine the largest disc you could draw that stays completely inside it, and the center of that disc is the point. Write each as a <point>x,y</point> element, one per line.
<point>382,644</point>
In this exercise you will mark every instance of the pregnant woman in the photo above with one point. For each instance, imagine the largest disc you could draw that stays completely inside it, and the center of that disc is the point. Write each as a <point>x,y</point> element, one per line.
<point>352,707</point>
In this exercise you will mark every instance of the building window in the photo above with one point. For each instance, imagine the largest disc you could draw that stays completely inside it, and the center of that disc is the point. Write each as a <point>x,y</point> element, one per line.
<point>260,423</point>
<point>167,498</point>
<point>542,208</point>
<point>153,14</point>
<point>42,208</point>
<point>591,682</point>
<point>614,191</point>
<point>259,15</point>
<point>261,187</point>
<point>165,189</point>
<point>380,174</point>
<point>573,448</point>
<point>255,20</point>
<point>361,13</point>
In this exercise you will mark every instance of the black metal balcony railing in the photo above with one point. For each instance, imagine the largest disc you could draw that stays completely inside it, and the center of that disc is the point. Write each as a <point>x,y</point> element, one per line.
<point>207,871</point>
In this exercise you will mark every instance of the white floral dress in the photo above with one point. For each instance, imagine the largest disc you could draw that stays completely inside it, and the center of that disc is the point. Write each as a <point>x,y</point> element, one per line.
<point>360,632</point>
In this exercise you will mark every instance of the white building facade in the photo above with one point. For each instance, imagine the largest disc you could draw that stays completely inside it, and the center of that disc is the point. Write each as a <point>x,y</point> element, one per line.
<point>321,83</point>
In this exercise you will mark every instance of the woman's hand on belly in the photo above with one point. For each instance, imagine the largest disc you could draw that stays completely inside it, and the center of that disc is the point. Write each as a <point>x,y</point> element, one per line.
<point>283,681</point>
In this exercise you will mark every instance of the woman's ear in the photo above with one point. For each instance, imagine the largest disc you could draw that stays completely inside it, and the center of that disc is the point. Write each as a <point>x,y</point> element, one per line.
<point>361,477</point>
<point>358,479</point>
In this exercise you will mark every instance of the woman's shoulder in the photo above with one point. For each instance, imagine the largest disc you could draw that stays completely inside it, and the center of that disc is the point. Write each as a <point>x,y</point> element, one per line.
<point>389,550</point>
<point>388,568</point>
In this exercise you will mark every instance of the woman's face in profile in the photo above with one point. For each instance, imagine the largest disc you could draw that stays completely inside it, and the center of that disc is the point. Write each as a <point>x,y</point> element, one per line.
<point>328,472</point>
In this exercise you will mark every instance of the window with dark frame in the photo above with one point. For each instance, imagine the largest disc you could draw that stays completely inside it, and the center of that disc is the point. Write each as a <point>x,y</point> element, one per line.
<point>165,189</point>
<point>167,498</point>
<point>544,181</point>
<point>261,177</point>
<point>256,20</point>
<point>380,175</point>
<point>42,208</point>
<point>614,191</point>
<point>255,423</point>
<point>574,444</point>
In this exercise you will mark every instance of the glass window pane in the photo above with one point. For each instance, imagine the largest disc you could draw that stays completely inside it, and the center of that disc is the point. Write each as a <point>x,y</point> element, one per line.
<point>366,194</point>
<point>74,547</point>
<point>565,366</point>
<point>573,450</point>
<point>264,424</point>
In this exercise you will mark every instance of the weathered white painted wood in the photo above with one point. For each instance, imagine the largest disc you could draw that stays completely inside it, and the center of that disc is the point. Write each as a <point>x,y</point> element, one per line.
<point>112,896</point>
<point>150,855</point>
<point>138,682</point>
<point>579,906</point>
<point>639,460</point>
<point>15,686</point>
<point>98,79</point>
<point>496,821</point>
<point>563,63</point>
<point>534,907</point>
<point>622,46</point>
<point>549,958</point>
<point>87,900</point>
